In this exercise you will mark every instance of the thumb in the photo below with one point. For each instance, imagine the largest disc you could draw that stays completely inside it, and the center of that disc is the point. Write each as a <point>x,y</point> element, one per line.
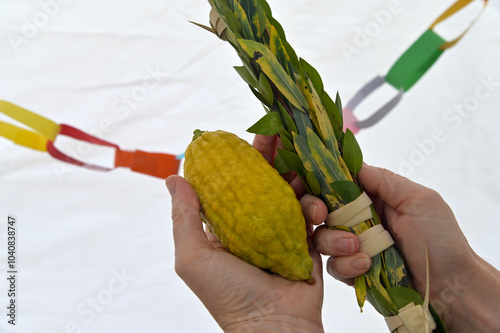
<point>189,236</point>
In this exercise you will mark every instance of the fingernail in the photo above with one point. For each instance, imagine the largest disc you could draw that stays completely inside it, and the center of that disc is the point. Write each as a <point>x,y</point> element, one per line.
<point>344,245</point>
<point>361,264</point>
<point>329,269</point>
<point>312,211</point>
<point>171,186</point>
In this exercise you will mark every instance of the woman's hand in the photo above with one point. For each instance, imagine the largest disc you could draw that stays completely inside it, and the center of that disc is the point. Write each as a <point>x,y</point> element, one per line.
<point>418,217</point>
<point>240,297</point>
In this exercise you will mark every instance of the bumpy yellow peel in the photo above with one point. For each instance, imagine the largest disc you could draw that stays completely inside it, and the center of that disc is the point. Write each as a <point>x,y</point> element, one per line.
<point>247,204</point>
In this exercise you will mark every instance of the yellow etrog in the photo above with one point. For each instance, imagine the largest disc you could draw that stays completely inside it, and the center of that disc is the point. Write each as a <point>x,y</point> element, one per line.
<point>251,209</point>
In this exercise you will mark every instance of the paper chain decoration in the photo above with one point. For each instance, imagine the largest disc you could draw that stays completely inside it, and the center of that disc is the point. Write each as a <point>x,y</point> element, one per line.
<point>405,72</point>
<point>46,131</point>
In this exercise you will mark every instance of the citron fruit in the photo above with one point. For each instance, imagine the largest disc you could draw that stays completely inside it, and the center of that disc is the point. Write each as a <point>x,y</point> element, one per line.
<point>247,205</point>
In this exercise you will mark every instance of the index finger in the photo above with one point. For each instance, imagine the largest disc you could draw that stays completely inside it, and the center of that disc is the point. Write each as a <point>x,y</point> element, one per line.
<point>391,188</point>
<point>266,145</point>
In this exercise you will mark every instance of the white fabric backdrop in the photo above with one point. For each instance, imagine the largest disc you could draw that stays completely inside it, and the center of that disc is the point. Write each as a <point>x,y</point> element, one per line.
<point>96,250</point>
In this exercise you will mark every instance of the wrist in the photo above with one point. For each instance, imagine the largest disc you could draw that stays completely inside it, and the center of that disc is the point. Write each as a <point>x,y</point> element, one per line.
<point>282,324</point>
<point>480,302</point>
<point>475,308</point>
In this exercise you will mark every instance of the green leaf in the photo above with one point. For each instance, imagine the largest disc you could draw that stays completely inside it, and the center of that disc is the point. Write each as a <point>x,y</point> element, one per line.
<point>334,114</point>
<point>246,28</point>
<point>302,121</point>
<point>372,276</point>
<point>324,159</point>
<point>351,152</point>
<point>233,38</point>
<point>338,102</point>
<point>294,59</point>
<point>380,303</point>
<point>232,21</point>
<point>265,6</point>
<point>316,160</point>
<point>287,119</point>
<point>346,189</point>
<point>272,68</point>
<point>286,141</point>
<point>280,165</point>
<point>303,150</point>
<point>219,6</point>
<point>262,18</point>
<point>377,295</point>
<point>230,4</point>
<point>259,96</point>
<point>266,90</point>
<point>402,296</point>
<point>255,15</point>
<point>302,180</point>
<point>324,125</point>
<point>313,75</point>
<point>360,288</point>
<point>278,27</point>
<point>270,124</point>
<point>265,34</point>
<point>439,322</point>
<point>313,184</point>
<point>384,280</point>
<point>292,160</point>
<point>395,268</point>
<point>277,49</point>
<point>246,76</point>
